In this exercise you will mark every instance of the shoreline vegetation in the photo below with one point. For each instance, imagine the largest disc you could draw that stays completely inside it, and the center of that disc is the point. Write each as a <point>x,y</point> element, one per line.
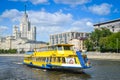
<point>103,40</point>
<point>91,55</point>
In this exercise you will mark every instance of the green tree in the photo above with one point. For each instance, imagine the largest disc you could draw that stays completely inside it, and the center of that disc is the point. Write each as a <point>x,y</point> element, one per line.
<point>89,45</point>
<point>98,33</point>
<point>13,51</point>
<point>110,43</point>
<point>48,43</point>
<point>94,42</point>
<point>2,51</point>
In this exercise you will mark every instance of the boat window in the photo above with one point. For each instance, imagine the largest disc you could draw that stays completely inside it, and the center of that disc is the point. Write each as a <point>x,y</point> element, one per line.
<point>58,59</point>
<point>33,58</point>
<point>59,47</point>
<point>50,59</point>
<point>42,49</point>
<point>53,59</point>
<point>52,48</point>
<point>38,58</point>
<point>43,59</point>
<point>66,47</point>
<point>46,59</point>
<point>63,60</point>
<point>71,48</point>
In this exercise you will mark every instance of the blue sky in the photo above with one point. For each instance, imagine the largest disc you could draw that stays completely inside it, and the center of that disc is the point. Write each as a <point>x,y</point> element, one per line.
<point>56,16</point>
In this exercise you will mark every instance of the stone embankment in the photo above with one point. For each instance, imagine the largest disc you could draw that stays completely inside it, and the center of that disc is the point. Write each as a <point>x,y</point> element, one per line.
<point>91,55</point>
<point>98,55</point>
<point>19,55</point>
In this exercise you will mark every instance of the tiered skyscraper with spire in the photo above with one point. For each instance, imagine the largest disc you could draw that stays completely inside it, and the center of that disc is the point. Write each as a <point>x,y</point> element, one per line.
<point>23,37</point>
<point>26,31</point>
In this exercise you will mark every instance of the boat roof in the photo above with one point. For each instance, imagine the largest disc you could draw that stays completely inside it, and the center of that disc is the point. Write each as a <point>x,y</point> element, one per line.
<point>64,45</point>
<point>57,45</point>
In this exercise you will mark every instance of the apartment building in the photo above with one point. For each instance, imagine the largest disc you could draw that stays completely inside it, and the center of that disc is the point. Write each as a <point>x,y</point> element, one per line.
<point>113,25</point>
<point>66,37</point>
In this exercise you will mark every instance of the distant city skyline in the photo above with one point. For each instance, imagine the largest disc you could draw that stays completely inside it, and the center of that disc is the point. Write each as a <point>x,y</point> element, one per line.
<point>56,16</point>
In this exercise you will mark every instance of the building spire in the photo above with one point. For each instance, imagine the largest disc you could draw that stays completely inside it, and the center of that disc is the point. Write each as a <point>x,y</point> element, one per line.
<point>25,8</point>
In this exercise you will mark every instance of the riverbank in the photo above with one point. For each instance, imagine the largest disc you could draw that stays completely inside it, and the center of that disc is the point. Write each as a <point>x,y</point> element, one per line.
<point>91,55</point>
<point>98,55</point>
<point>15,55</point>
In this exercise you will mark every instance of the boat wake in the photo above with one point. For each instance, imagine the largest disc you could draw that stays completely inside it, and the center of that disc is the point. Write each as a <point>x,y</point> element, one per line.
<point>17,63</point>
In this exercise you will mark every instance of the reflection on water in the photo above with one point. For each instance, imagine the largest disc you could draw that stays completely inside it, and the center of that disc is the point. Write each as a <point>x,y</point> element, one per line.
<point>12,69</point>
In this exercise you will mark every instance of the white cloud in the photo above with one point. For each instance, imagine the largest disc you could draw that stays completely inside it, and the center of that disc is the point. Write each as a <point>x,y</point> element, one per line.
<point>38,1</point>
<point>12,14</point>
<point>52,19</point>
<point>18,0</point>
<point>2,28</point>
<point>49,29</point>
<point>102,9</point>
<point>69,2</point>
<point>39,18</point>
<point>83,25</point>
<point>88,23</point>
<point>72,2</point>
<point>50,23</point>
<point>116,11</point>
<point>33,1</point>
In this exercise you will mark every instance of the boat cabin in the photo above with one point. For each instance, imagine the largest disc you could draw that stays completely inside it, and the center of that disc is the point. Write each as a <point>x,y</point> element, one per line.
<point>58,47</point>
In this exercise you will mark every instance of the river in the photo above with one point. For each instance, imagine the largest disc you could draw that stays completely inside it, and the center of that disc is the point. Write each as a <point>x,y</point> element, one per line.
<point>11,68</point>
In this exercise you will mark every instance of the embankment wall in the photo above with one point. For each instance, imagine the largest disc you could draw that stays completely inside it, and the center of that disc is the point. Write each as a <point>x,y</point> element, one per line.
<point>91,55</point>
<point>98,55</point>
<point>21,55</point>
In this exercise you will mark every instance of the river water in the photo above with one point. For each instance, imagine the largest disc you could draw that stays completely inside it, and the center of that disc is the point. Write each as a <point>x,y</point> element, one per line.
<point>11,68</point>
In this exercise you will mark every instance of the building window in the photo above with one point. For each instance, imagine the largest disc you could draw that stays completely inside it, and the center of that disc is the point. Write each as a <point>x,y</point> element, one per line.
<point>81,34</point>
<point>72,35</point>
<point>113,26</point>
<point>60,36</point>
<point>68,35</point>
<point>112,30</point>
<point>52,37</point>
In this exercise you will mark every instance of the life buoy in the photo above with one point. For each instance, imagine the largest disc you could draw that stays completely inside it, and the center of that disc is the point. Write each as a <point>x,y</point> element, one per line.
<point>71,61</point>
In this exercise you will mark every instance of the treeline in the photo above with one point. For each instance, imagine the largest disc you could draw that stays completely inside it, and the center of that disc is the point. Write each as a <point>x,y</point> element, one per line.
<point>10,51</point>
<point>104,41</point>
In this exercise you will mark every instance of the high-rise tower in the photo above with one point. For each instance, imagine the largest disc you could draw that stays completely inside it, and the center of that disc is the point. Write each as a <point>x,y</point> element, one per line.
<point>25,28</point>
